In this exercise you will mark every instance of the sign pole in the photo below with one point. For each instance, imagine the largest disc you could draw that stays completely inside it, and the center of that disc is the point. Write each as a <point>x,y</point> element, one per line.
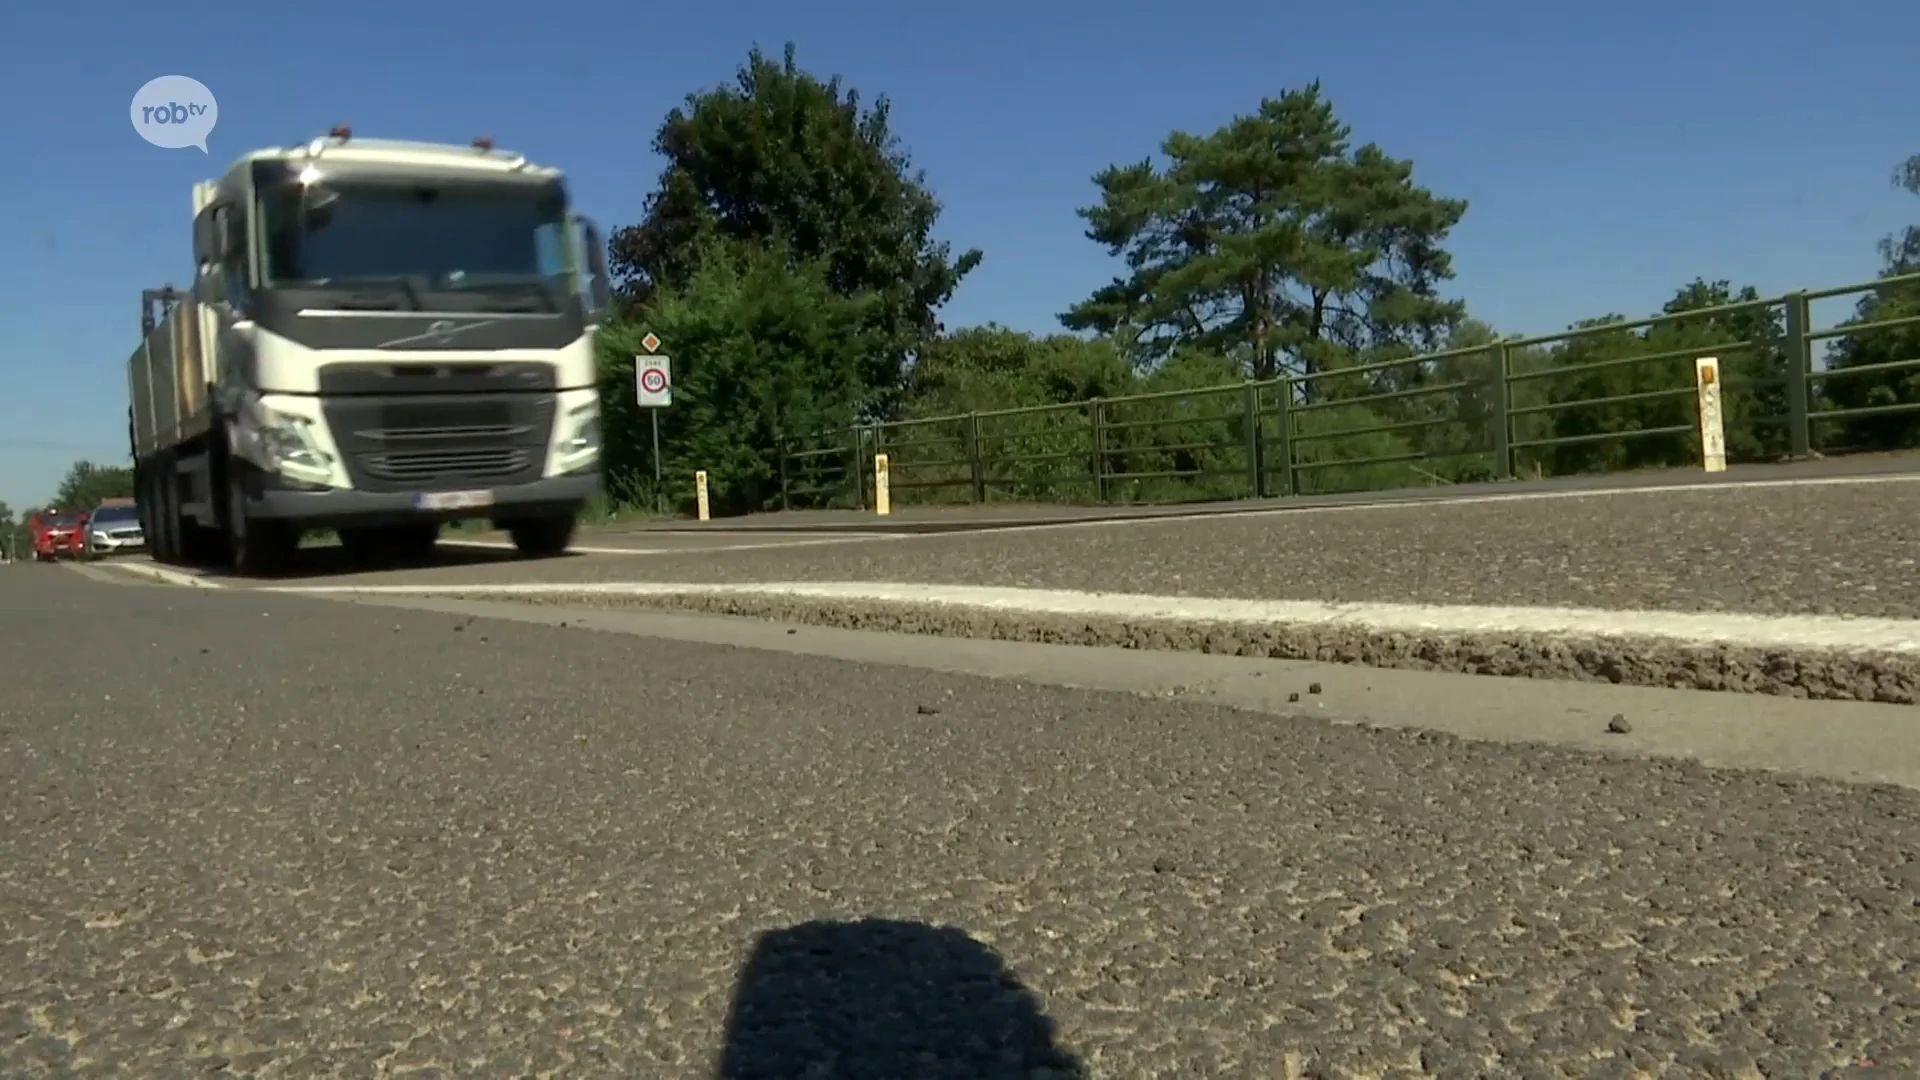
<point>659,493</point>
<point>653,388</point>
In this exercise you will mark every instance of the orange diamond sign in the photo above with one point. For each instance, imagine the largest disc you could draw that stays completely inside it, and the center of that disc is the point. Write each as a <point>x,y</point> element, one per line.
<point>651,342</point>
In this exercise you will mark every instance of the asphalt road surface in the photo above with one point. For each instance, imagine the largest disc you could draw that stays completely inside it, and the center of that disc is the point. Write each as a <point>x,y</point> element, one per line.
<point>1828,548</point>
<point>277,835</point>
<point>918,518</point>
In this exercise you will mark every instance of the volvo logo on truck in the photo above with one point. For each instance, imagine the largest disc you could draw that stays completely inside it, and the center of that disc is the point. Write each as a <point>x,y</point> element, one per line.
<point>380,337</point>
<point>439,332</point>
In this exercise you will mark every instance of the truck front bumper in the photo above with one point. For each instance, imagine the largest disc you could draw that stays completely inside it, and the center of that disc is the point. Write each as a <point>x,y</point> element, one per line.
<point>330,508</point>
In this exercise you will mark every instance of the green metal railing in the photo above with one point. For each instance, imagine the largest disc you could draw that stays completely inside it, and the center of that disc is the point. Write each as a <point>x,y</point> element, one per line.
<point>1491,413</point>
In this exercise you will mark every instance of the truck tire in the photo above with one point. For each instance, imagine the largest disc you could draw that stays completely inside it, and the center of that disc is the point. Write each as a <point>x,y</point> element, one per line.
<point>542,537</point>
<point>166,510</point>
<point>256,547</point>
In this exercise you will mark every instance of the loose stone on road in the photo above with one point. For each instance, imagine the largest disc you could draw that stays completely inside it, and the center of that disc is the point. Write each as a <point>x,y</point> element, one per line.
<point>293,837</point>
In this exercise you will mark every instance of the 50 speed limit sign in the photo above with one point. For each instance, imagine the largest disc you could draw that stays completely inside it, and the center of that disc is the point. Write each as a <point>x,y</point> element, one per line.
<point>653,377</point>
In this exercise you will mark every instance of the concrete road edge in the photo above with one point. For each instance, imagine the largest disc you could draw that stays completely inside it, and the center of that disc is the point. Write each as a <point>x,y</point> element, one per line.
<point>1856,742</point>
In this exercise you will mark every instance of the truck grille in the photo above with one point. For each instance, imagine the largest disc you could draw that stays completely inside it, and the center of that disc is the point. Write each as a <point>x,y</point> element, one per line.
<point>420,442</point>
<point>431,464</point>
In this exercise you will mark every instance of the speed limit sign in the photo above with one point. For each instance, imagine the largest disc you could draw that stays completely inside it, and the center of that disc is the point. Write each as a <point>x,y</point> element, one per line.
<point>654,379</point>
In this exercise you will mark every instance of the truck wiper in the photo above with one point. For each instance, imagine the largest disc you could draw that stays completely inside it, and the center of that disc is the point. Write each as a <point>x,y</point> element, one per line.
<point>363,293</point>
<point>400,281</point>
<point>368,303</point>
<point>523,291</point>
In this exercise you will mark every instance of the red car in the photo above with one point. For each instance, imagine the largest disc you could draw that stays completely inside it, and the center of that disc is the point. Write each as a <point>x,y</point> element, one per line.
<point>57,533</point>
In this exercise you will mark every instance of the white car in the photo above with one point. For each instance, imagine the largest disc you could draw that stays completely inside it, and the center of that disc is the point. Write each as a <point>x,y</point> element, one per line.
<point>114,529</point>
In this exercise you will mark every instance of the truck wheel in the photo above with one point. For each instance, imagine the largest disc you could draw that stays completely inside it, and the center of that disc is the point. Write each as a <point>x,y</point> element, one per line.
<point>255,546</point>
<point>166,509</point>
<point>543,537</point>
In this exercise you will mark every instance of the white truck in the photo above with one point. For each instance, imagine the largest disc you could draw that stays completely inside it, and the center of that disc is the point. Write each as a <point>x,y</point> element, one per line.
<point>381,337</point>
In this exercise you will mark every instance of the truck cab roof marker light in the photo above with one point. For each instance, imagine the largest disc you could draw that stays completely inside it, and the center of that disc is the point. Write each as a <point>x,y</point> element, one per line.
<point>484,144</point>
<point>339,133</point>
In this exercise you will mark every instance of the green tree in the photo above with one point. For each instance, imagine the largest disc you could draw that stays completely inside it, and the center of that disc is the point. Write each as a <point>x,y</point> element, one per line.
<point>1035,440</point>
<point>1901,250</point>
<point>1895,389</point>
<point>1750,344</point>
<point>784,157</point>
<point>763,347</point>
<point>87,483</point>
<point>1656,424</point>
<point>1275,243</point>
<point>991,367</point>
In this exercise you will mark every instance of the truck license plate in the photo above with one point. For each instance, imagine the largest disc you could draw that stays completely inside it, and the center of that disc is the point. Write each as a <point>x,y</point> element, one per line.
<point>452,500</point>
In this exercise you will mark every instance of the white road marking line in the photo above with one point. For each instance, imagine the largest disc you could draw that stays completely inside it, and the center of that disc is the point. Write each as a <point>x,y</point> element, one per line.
<point>501,545</point>
<point>1817,632</point>
<point>798,531</point>
<point>163,573</point>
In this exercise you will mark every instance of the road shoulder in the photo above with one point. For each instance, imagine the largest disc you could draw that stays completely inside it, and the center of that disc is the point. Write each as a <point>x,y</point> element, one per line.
<point>1848,741</point>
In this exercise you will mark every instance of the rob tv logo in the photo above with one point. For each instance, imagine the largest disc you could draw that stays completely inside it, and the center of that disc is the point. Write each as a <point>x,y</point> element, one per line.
<point>174,112</point>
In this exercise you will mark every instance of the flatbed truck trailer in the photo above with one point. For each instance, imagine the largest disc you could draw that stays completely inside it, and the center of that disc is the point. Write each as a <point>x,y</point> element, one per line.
<point>381,337</point>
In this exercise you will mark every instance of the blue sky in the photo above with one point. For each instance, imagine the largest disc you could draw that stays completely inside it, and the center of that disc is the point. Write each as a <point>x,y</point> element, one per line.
<point>1611,152</point>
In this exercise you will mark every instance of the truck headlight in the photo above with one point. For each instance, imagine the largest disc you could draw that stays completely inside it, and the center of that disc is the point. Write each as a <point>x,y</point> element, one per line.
<point>583,431</point>
<point>289,445</point>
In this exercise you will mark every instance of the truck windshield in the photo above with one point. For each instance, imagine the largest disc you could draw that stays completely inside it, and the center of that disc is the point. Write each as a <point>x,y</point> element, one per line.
<point>420,238</point>
<point>61,520</point>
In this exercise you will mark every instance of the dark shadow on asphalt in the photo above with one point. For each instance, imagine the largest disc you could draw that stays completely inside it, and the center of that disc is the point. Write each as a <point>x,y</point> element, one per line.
<point>332,560</point>
<point>884,999</point>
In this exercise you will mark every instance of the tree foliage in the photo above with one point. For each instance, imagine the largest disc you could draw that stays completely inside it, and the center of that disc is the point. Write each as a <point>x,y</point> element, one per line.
<point>1895,390</point>
<point>784,158</point>
<point>763,347</point>
<point>986,368</point>
<point>1648,409</point>
<point>87,484</point>
<point>787,259</point>
<point>1274,242</point>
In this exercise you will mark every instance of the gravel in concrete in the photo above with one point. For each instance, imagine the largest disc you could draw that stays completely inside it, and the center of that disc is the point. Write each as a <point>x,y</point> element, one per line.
<point>276,836</point>
<point>1836,549</point>
<point>1824,675</point>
